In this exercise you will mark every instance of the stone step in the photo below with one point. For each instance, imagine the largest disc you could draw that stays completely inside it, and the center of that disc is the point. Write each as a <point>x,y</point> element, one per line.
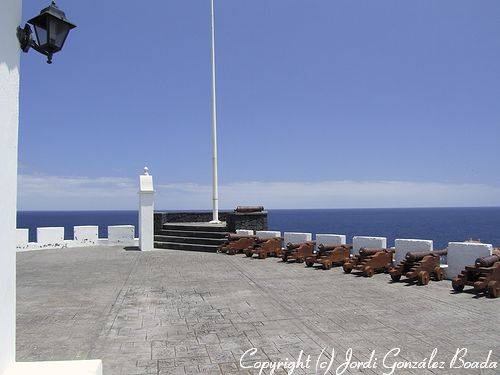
<point>196,227</point>
<point>186,246</point>
<point>189,233</point>
<point>191,240</point>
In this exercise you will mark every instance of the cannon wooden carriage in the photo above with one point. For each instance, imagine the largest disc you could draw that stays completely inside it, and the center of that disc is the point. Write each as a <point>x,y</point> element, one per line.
<point>484,275</point>
<point>329,255</point>
<point>298,252</point>
<point>229,239</point>
<point>370,261</point>
<point>236,243</point>
<point>264,247</point>
<point>420,266</point>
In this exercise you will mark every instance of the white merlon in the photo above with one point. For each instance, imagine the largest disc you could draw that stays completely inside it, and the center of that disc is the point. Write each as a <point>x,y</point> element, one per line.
<point>244,232</point>
<point>296,237</point>
<point>330,239</point>
<point>122,235</point>
<point>146,211</point>
<point>368,242</point>
<point>267,233</point>
<point>404,246</point>
<point>461,254</point>
<point>50,236</point>
<point>87,235</point>
<point>22,238</point>
<point>84,236</point>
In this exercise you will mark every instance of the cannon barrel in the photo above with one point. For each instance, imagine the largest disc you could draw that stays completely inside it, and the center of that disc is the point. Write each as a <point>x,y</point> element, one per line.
<point>488,261</point>
<point>262,240</point>
<point>415,256</point>
<point>234,237</point>
<point>324,247</point>
<point>367,252</point>
<point>249,209</point>
<point>333,247</point>
<point>291,246</point>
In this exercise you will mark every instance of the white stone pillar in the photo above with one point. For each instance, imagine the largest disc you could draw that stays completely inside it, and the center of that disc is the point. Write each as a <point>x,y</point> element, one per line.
<point>146,211</point>
<point>10,19</point>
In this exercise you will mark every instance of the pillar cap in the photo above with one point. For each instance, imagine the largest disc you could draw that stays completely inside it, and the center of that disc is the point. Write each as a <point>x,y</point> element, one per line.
<point>146,182</point>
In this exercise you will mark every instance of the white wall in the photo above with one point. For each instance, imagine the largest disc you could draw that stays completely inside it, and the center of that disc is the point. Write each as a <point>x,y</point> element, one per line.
<point>121,235</point>
<point>296,237</point>
<point>245,232</point>
<point>22,238</point>
<point>368,242</point>
<point>10,19</point>
<point>85,235</point>
<point>50,236</point>
<point>404,246</point>
<point>267,233</point>
<point>330,239</point>
<point>461,254</point>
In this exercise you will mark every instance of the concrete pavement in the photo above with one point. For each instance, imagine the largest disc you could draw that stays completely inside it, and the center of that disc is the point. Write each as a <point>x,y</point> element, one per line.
<point>175,312</point>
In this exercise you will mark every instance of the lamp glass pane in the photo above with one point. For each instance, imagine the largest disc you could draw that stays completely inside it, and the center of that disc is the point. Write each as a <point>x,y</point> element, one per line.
<point>41,35</point>
<point>58,30</point>
<point>62,31</point>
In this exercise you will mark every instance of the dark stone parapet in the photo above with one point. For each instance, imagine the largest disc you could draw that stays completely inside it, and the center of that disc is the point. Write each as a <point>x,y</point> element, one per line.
<point>234,220</point>
<point>247,220</point>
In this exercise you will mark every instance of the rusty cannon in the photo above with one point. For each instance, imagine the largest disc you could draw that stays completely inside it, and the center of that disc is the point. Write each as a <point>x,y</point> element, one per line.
<point>483,276</point>
<point>298,252</point>
<point>248,209</point>
<point>229,239</point>
<point>420,266</point>
<point>236,243</point>
<point>329,255</point>
<point>265,247</point>
<point>370,261</point>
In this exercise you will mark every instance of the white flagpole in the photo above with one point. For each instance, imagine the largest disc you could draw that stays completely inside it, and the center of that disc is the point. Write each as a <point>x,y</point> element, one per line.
<point>215,188</point>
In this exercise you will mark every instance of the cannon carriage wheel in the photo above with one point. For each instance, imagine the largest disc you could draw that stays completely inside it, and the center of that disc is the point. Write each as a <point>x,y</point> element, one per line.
<point>423,278</point>
<point>493,289</point>
<point>369,272</point>
<point>327,265</point>
<point>347,267</point>
<point>309,263</point>
<point>248,254</point>
<point>395,277</point>
<point>457,285</point>
<point>438,273</point>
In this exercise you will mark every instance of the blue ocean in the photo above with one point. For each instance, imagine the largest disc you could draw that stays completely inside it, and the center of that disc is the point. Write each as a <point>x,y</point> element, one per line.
<point>439,224</point>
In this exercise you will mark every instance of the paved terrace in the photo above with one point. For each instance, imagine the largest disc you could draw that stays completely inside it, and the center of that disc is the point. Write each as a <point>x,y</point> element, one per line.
<point>174,312</point>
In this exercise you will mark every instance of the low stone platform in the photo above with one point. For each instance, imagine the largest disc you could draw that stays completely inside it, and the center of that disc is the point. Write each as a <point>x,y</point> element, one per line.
<point>176,312</point>
<point>206,237</point>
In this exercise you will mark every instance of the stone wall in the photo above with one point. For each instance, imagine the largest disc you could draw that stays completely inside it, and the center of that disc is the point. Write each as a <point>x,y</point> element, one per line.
<point>87,235</point>
<point>248,220</point>
<point>234,220</point>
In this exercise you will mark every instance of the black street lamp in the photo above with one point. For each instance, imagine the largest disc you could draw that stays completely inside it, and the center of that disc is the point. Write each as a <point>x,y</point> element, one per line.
<point>51,30</point>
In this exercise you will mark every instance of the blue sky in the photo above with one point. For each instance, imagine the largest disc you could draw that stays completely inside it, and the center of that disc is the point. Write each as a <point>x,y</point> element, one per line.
<point>322,103</point>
